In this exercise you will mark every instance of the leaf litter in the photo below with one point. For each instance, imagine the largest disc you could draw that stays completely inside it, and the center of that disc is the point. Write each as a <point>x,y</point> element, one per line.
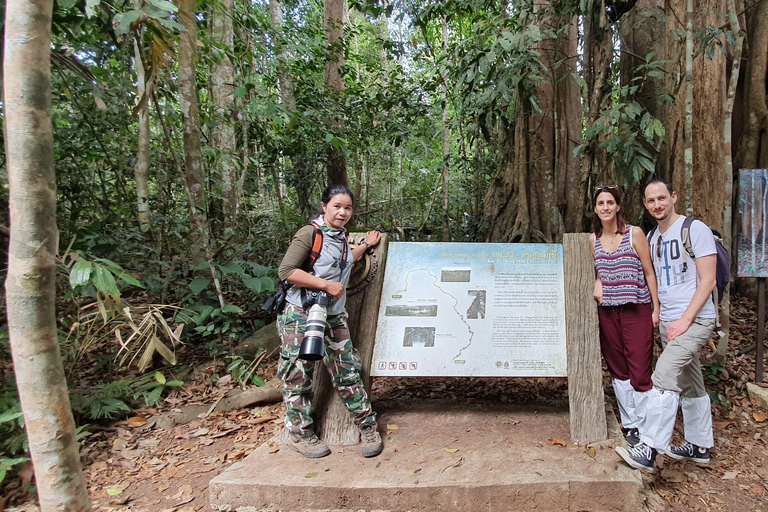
<point>153,461</point>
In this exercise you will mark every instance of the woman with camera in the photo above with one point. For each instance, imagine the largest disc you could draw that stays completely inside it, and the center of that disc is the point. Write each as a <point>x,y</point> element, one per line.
<point>625,287</point>
<point>318,264</point>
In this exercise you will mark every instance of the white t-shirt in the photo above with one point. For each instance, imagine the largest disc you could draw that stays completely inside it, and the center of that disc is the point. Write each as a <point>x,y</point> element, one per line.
<point>676,287</point>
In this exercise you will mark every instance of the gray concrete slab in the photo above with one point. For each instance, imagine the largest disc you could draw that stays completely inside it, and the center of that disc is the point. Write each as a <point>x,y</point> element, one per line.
<point>441,457</point>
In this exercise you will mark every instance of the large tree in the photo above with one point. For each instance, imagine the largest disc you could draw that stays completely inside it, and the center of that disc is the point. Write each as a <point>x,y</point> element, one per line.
<point>30,287</point>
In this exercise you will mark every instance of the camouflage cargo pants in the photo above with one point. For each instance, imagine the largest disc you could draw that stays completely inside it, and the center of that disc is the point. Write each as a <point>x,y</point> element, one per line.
<point>341,359</point>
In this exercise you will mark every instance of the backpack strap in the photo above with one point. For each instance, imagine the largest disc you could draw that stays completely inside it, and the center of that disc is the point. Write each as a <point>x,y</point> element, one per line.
<point>315,248</point>
<point>685,235</point>
<point>650,234</point>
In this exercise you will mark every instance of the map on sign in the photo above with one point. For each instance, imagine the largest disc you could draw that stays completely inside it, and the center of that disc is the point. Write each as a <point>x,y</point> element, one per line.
<point>457,309</point>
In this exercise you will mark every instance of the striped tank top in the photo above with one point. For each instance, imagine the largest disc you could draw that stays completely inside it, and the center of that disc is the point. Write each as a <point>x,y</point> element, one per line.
<point>621,273</point>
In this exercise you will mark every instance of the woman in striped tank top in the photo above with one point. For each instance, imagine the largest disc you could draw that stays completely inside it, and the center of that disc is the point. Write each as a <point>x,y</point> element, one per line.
<point>625,288</point>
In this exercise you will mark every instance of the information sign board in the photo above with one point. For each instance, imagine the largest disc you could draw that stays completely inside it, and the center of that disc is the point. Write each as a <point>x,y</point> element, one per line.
<point>459,309</point>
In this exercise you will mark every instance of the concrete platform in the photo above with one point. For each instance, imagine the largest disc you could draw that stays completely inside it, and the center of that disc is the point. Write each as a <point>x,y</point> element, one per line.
<point>441,457</point>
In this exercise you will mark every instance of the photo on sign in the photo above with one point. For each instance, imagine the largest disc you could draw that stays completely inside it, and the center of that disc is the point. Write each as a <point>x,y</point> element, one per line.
<point>423,336</point>
<point>477,307</point>
<point>753,205</point>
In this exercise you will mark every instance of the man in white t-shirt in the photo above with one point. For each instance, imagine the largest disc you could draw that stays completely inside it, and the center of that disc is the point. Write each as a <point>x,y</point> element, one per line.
<point>687,320</point>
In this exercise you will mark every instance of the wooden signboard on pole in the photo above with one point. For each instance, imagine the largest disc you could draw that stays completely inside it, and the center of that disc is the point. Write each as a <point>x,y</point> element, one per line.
<point>753,246</point>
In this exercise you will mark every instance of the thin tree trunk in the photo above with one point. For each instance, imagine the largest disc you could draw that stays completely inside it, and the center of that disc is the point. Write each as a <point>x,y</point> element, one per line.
<point>193,161</point>
<point>725,304</point>
<point>222,99</point>
<point>30,288</point>
<point>142,157</point>
<point>688,130</point>
<point>446,135</point>
<point>333,21</point>
<point>298,156</point>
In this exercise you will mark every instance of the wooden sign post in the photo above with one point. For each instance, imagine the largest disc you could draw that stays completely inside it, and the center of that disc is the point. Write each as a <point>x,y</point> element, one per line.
<point>333,422</point>
<point>753,246</point>
<point>585,373</point>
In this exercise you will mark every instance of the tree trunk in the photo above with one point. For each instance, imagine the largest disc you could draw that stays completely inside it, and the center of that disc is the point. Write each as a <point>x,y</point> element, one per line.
<point>222,99</point>
<point>521,204</point>
<point>708,77</point>
<point>688,127</point>
<point>644,32</point>
<point>193,161</point>
<point>753,147</point>
<point>598,39</point>
<point>142,158</point>
<point>446,135</point>
<point>571,188</point>
<point>333,21</point>
<point>722,345</point>
<point>301,170</point>
<point>31,283</point>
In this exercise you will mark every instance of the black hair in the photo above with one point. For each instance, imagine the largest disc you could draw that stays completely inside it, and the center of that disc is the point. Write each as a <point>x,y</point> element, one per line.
<point>663,182</point>
<point>597,226</point>
<point>333,190</point>
<point>329,192</point>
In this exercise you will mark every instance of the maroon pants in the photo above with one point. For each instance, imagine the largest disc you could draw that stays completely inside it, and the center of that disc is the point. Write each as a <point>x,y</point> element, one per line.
<point>626,339</point>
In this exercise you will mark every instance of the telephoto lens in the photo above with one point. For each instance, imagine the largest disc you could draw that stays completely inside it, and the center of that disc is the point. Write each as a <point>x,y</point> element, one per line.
<point>312,346</point>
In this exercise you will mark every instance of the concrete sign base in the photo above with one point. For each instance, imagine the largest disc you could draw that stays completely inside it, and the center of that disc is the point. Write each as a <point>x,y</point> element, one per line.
<point>442,457</point>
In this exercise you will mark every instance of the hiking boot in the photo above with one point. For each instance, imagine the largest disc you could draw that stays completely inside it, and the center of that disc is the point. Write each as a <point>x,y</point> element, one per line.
<point>309,446</point>
<point>632,435</point>
<point>689,451</point>
<point>370,439</point>
<point>641,457</point>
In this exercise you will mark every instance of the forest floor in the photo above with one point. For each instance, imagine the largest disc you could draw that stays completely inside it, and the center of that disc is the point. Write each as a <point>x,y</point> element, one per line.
<point>132,464</point>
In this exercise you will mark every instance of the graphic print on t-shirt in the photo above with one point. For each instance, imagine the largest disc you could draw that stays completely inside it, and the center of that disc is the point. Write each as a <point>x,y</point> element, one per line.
<point>676,272</point>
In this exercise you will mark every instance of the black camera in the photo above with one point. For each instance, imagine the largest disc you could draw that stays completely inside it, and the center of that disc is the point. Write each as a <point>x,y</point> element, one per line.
<point>313,346</point>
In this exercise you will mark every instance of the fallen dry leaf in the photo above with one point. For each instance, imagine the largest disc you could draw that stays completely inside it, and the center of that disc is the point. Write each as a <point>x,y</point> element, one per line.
<point>273,448</point>
<point>136,421</point>
<point>730,475</point>
<point>451,450</point>
<point>590,450</point>
<point>559,441</point>
<point>310,475</point>
<point>759,416</point>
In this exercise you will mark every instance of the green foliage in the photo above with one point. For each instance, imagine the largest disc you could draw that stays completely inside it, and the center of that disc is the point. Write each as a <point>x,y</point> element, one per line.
<point>7,464</point>
<point>244,371</point>
<point>628,133</point>
<point>207,320</point>
<point>107,402</point>
<point>13,440</point>
<point>5,344</point>
<point>251,275</point>
<point>152,387</point>
<point>99,275</point>
<point>714,371</point>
